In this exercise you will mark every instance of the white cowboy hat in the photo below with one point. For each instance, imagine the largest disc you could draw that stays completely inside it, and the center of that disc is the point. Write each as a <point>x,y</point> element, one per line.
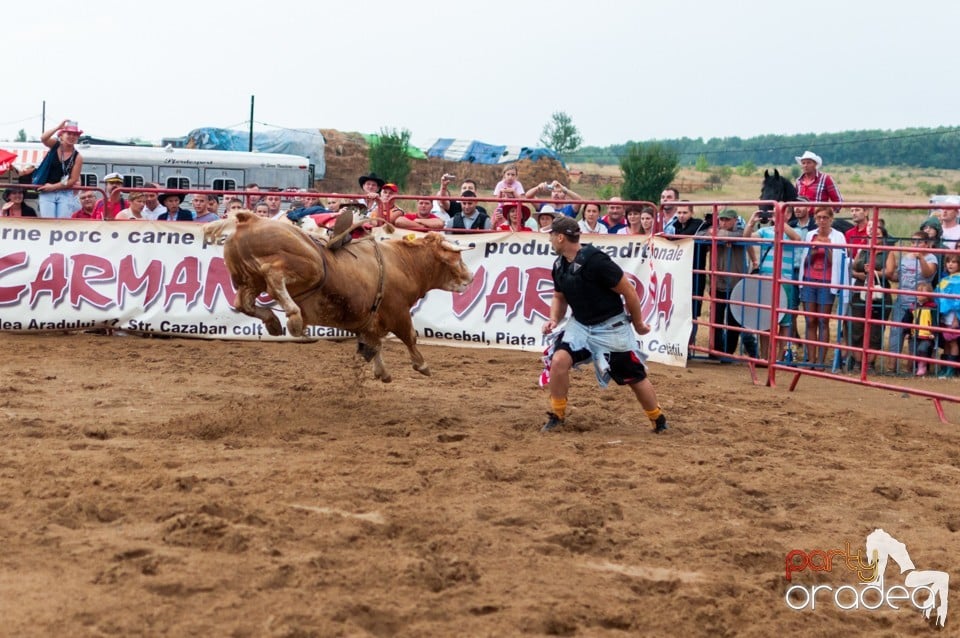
<point>810,155</point>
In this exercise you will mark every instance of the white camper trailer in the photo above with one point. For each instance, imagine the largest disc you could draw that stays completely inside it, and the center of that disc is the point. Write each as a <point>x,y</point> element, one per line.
<point>179,168</point>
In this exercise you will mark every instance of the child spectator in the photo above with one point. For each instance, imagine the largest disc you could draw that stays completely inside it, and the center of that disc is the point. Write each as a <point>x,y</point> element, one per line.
<point>950,315</point>
<point>908,269</point>
<point>509,186</point>
<point>925,338</point>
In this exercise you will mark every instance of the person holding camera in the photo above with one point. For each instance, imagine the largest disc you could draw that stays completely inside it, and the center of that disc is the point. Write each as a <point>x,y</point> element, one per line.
<point>448,208</point>
<point>558,193</point>
<point>760,225</point>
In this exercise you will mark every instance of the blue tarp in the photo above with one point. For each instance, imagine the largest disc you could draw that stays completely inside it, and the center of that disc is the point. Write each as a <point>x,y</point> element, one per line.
<point>304,142</point>
<point>481,153</point>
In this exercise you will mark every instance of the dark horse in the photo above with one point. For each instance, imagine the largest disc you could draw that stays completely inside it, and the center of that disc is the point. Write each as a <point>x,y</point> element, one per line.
<point>778,188</point>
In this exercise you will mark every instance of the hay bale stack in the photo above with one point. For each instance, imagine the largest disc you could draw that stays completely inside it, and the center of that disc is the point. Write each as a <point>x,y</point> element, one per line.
<point>347,158</point>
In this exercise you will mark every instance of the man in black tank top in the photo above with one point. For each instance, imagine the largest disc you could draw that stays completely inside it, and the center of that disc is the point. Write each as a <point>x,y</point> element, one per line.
<point>594,287</point>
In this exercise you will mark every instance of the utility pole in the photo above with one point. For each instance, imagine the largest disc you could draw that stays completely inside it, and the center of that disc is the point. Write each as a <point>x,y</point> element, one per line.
<point>43,118</point>
<point>250,144</point>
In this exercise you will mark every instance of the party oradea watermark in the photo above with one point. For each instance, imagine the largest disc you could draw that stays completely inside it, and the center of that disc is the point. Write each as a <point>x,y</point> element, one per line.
<point>924,590</point>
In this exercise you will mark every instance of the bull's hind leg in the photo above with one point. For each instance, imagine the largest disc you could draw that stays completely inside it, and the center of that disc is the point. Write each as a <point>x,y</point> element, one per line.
<point>246,302</point>
<point>277,286</point>
<point>373,353</point>
<point>408,336</point>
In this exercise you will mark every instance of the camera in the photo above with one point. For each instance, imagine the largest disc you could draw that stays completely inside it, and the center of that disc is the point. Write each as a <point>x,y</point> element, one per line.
<point>450,177</point>
<point>549,187</point>
<point>766,215</point>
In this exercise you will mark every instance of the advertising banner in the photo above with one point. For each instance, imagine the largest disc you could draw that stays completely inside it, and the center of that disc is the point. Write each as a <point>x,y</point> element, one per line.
<point>162,277</point>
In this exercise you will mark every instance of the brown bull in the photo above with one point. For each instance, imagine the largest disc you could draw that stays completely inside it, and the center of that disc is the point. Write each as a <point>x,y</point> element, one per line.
<point>367,287</point>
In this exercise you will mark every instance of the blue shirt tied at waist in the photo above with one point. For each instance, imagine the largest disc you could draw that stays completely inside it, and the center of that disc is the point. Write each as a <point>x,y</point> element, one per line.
<point>613,335</point>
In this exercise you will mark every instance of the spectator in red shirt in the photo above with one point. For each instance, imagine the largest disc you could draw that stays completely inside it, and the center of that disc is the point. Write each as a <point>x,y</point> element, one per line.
<point>113,204</point>
<point>516,218</point>
<point>814,185</point>
<point>423,219</point>
<point>88,199</point>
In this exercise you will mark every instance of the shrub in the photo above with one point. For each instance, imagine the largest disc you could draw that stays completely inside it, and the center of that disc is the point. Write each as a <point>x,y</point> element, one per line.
<point>647,169</point>
<point>389,156</point>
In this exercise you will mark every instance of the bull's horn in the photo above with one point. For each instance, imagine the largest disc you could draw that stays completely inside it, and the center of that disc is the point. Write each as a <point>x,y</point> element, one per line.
<point>455,247</point>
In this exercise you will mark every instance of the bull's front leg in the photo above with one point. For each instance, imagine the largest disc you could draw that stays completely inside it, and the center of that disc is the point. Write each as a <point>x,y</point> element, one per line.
<point>406,333</point>
<point>246,302</point>
<point>277,286</point>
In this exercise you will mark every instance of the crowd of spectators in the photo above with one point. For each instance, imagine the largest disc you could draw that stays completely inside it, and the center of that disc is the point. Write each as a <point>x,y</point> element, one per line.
<point>820,258</point>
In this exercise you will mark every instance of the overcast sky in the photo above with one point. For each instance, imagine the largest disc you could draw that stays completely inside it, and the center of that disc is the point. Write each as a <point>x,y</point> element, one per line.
<point>493,71</point>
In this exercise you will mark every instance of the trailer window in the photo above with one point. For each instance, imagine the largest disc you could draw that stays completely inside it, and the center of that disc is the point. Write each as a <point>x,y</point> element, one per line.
<point>178,183</point>
<point>88,179</point>
<point>225,185</point>
<point>132,181</point>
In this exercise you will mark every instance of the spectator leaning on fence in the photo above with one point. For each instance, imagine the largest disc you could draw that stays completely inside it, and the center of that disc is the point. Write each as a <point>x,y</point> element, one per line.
<point>152,208</point>
<point>820,263</point>
<point>949,223</point>
<point>113,204</point>
<point>950,315</point>
<point>908,268</point>
<point>470,217</point>
<point>423,219</point>
<point>14,206</point>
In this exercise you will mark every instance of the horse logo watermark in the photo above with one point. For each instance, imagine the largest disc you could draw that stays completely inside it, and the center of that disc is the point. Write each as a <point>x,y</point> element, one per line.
<point>920,588</point>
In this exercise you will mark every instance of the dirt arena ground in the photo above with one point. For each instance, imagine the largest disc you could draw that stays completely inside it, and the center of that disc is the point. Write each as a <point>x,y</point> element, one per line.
<point>171,487</point>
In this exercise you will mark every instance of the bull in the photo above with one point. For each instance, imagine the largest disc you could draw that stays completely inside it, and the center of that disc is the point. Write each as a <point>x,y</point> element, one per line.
<point>366,286</point>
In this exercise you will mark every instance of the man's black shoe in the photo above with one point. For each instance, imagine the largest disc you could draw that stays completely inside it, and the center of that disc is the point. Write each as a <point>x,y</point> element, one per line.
<point>552,423</point>
<point>660,425</point>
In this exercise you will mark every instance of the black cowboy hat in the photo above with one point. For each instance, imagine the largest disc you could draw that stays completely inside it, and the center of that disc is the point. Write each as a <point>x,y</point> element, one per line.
<point>163,197</point>
<point>371,176</point>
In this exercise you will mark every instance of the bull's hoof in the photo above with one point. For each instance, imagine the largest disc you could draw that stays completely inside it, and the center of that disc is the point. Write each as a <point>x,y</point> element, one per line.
<point>366,351</point>
<point>424,370</point>
<point>386,378</point>
<point>295,327</point>
<point>274,327</point>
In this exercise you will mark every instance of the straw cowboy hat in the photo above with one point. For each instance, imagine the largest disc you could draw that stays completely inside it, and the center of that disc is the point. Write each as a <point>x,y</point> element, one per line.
<point>810,155</point>
<point>548,210</point>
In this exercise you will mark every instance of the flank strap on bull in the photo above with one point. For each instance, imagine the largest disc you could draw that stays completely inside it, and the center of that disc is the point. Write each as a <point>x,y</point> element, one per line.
<point>379,298</point>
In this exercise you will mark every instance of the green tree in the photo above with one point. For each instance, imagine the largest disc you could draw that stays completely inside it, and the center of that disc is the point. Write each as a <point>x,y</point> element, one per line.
<point>560,134</point>
<point>605,191</point>
<point>702,164</point>
<point>389,156</point>
<point>647,169</point>
<point>746,169</point>
<point>21,135</point>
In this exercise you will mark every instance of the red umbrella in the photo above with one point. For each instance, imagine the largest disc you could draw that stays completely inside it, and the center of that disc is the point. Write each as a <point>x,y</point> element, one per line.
<point>6,160</point>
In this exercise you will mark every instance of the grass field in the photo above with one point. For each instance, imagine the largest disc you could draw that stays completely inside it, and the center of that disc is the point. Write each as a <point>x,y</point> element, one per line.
<point>865,184</point>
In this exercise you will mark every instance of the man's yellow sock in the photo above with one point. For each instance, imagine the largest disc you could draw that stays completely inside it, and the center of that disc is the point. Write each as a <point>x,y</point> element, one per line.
<point>654,414</point>
<point>558,407</point>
